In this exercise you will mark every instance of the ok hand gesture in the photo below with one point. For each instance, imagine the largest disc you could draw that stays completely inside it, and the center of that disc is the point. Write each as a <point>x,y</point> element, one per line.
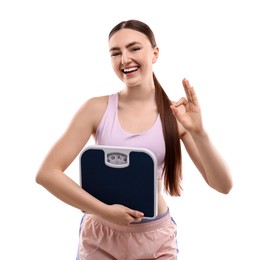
<point>187,110</point>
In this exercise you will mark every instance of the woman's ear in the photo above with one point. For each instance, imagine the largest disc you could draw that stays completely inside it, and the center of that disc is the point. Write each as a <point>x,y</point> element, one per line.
<point>156,53</point>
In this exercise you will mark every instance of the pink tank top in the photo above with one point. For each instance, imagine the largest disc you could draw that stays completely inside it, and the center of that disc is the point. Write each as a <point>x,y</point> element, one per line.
<point>110,132</point>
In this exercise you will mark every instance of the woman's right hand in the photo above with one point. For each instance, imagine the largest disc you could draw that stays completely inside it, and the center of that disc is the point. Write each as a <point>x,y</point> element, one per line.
<point>122,215</point>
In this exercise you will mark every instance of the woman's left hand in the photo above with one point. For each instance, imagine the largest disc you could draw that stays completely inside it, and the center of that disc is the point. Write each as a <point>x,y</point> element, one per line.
<point>187,110</point>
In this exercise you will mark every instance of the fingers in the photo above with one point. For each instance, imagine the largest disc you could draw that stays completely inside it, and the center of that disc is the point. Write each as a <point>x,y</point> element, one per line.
<point>183,101</point>
<point>190,92</point>
<point>136,215</point>
<point>187,88</point>
<point>123,215</point>
<point>137,220</point>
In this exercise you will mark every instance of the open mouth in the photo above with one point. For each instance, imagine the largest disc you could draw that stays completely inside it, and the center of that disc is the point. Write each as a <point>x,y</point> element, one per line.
<point>130,70</point>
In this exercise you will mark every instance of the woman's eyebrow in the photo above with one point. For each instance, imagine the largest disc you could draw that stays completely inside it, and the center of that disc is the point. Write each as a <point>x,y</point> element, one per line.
<point>126,46</point>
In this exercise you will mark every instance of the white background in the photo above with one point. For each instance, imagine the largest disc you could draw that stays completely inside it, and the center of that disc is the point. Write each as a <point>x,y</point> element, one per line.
<point>54,56</point>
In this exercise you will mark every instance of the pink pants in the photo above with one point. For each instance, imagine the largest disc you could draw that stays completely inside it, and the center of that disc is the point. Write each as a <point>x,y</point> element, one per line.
<point>102,240</point>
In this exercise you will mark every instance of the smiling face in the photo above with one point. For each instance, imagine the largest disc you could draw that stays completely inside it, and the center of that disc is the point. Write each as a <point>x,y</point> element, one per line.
<point>132,56</point>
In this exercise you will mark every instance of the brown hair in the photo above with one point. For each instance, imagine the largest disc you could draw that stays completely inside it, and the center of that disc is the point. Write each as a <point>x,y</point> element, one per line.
<point>173,162</point>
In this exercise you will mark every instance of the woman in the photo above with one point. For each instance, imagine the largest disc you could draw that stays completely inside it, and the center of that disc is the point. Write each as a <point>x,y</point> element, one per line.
<point>135,116</point>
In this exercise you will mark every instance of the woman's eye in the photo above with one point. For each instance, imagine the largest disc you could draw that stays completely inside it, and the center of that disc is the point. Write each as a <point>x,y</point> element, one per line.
<point>136,49</point>
<point>114,54</point>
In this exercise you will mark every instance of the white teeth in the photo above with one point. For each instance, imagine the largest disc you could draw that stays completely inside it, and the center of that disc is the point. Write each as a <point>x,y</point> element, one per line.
<point>130,69</point>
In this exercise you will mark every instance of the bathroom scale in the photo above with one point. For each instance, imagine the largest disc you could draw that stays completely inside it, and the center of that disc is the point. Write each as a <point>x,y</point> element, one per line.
<point>121,175</point>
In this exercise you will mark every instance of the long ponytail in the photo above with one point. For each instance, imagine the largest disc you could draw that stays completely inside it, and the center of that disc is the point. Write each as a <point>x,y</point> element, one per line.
<point>173,160</point>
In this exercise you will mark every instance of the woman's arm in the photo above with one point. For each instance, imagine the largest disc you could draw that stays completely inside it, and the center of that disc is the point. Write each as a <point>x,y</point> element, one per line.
<point>208,160</point>
<point>51,173</point>
<point>198,144</point>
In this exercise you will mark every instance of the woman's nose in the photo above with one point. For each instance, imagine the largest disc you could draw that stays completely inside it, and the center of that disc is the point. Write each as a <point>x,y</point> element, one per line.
<point>125,59</point>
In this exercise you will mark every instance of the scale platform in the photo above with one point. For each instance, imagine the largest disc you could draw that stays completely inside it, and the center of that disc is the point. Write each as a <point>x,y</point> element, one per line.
<point>121,175</point>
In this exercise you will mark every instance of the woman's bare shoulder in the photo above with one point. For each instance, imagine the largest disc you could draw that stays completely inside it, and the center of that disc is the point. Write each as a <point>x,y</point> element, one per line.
<point>93,109</point>
<point>96,104</point>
